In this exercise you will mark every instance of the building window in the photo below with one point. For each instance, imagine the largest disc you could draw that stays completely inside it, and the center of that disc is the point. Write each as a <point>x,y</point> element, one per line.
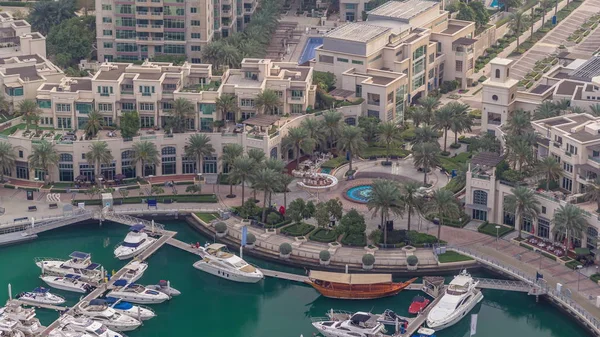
<point>357,62</point>
<point>350,121</point>
<point>418,81</point>
<point>188,165</point>
<point>568,167</point>
<point>543,209</point>
<point>22,169</point>
<point>339,59</point>
<point>63,122</point>
<point>127,106</point>
<point>87,171</point>
<point>195,35</point>
<point>497,73</point>
<point>108,171</point>
<point>480,197</point>
<point>543,228</point>
<point>194,10</point>
<point>495,97</point>
<point>61,107</point>
<point>44,104</point>
<point>358,90</point>
<point>147,121</point>
<point>105,107</point>
<point>459,65</point>
<point>592,237</point>
<point>431,58</point>
<point>247,102</point>
<point>418,66</point>
<point>326,59</point>
<point>107,32</point>
<point>127,167</point>
<point>297,108</point>
<point>373,99</point>
<point>419,52</point>
<point>146,106</point>
<point>206,124</point>
<point>106,7</point>
<point>174,49</point>
<point>169,160</point>
<point>107,19</point>
<point>196,60</point>
<point>195,48</point>
<point>195,22</point>
<point>567,184</point>
<point>210,164</point>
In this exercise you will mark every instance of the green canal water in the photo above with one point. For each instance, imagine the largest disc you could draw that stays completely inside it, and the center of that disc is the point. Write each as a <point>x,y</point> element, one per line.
<point>213,307</point>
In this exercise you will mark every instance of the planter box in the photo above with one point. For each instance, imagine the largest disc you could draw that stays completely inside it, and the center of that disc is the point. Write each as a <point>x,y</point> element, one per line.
<point>365,267</point>
<point>334,245</point>
<point>220,235</point>
<point>371,250</point>
<point>324,263</point>
<point>284,256</point>
<point>415,267</point>
<point>271,231</point>
<point>249,246</point>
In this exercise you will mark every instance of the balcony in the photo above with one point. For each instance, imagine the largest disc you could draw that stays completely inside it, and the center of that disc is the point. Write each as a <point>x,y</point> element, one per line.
<point>146,94</point>
<point>569,154</point>
<point>595,159</point>
<point>480,176</point>
<point>557,145</point>
<point>104,94</point>
<point>494,121</point>
<point>126,92</point>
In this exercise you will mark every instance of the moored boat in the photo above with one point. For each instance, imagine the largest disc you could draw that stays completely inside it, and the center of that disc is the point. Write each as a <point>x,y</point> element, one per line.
<point>8,328</point>
<point>135,270</point>
<point>165,287</point>
<point>139,312</point>
<point>100,311</point>
<point>418,304</point>
<point>88,326</point>
<point>134,244</point>
<point>355,286</point>
<point>68,282</point>
<point>41,295</point>
<point>136,293</point>
<point>360,324</point>
<point>217,260</point>
<point>79,264</point>
<point>28,323</point>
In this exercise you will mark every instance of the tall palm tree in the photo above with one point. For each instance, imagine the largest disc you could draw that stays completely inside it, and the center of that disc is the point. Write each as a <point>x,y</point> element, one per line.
<point>29,110</point>
<point>267,101</point>
<point>145,152</point>
<point>297,138</point>
<point>263,180</point>
<point>385,197</point>
<point>351,140</point>
<point>230,153</point>
<point>284,181</point>
<point>99,154</point>
<point>425,155</point>
<point>592,192</point>
<point>315,130</point>
<point>443,205</point>
<point>411,198</point>
<point>229,56</point>
<point>242,170</point>
<point>562,105</point>
<point>418,115</point>
<point>227,103</point>
<point>545,4</point>
<point>461,120</point>
<point>523,204</point>
<point>7,158</point>
<point>516,24</point>
<point>258,156</point>
<point>486,143</point>
<point>389,134</point>
<point>183,109</point>
<point>518,123</point>
<point>549,168</point>
<point>94,123</point>
<point>43,156</point>
<point>199,146</point>
<point>569,222</point>
<point>545,110</point>
<point>595,109</point>
<point>332,122</point>
<point>275,164</point>
<point>443,121</point>
<point>425,134</point>
<point>429,104</point>
<point>520,153</point>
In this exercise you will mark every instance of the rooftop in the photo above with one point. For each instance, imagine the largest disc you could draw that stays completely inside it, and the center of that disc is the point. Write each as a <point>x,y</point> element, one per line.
<point>464,41</point>
<point>567,87</point>
<point>487,159</point>
<point>21,58</point>
<point>27,73</point>
<point>113,73</point>
<point>357,31</point>
<point>403,10</point>
<point>588,70</point>
<point>452,29</point>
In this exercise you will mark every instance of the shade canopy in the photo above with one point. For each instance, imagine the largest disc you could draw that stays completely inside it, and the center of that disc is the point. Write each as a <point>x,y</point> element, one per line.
<point>350,278</point>
<point>262,120</point>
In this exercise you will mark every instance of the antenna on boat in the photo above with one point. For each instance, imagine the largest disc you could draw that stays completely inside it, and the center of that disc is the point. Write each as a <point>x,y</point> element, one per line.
<point>9,292</point>
<point>152,225</point>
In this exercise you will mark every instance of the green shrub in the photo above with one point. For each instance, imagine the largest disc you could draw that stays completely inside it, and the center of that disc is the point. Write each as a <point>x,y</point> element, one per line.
<point>285,248</point>
<point>298,229</point>
<point>444,153</point>
<point>548,255</point>
<point>323,235</point>
<point>335,162</point>
<point>412,260</point>
<point>324,255</point>
<point>368,259</point>
<point>221,227</point>
<point>573,264</point>
<point>595,277</point>
<point>280,224</point>
<point>13,4</point>
<point>524,245</point>
<point>357,240</point>
<point>250,238</point>
<point>408,134</point>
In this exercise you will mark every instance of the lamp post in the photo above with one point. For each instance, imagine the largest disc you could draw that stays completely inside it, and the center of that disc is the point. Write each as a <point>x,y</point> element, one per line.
<point>578,275</point>
<point>497,229</point>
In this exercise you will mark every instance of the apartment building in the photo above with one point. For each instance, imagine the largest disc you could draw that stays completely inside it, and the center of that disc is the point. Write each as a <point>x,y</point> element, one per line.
<point>414,40</point>
<point>352,10</point>
<point>17,39</point>
<point>129,30</point>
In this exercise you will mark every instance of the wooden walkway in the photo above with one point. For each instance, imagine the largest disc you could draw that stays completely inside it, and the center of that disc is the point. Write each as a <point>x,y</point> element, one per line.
<point>285,276</point>
<point>182,245</point>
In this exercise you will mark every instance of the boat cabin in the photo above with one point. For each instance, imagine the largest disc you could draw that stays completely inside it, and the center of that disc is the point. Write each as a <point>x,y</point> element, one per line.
<point>218,250</point>
<point>364,320</point>
<point>137,228</point>
<point>341,280</point>
<point>459,285</point>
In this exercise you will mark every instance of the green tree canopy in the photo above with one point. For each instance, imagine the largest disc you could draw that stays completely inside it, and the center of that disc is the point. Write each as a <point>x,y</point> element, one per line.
<point>72,40</point>
<point>130,124</point>
<point>46,14</point>
<point>351,223</point>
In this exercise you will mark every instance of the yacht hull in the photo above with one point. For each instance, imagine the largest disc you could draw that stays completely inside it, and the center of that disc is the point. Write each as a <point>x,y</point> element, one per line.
<point>456,316</point>
<point>332,332</point>
<point>115,326</point>
<point>228,275</point>
<point>42,299</point>
<point>144,314</point>
<point>125,253</point>
<point>50,280</point>
<point>54,267</point>
<point>139,299</point>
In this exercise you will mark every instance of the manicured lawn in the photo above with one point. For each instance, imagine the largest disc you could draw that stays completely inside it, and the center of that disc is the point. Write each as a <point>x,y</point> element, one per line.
<point>453,186</point>
<point>323,235</point>
<point>573,264</point>
<point>12,129</point>
<point>207,217</point>
<point>490,229</point>
<point>451,256</point>
<point>595,278</point>
<point>298,229</point>
<point>279,224</point>
<point>357,240</point>
<point>335,162</point>
<point>452,163</point>
<point>202,198</point>
<point>381,152</point>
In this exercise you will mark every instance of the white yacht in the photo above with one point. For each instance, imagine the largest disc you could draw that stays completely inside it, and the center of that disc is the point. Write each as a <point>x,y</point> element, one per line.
<point>139,312</point>
<point>135,270</point>
<point>100,311</point>
<point>217,260</point>
<point>41,295</point>
<point>88,326</point>
<point>460,297</point>
<point>65,331</point>
<point>164,287</point>
<point>28,323</point>
<point>8,328</point>
<point>68,282</point>
<point>360,324</point>
<point>136,293</point>
<point>134,244</point>
<point>79,264</point>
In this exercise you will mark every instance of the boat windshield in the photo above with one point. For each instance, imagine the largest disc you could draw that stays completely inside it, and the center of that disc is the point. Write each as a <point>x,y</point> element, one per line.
<point>454,289</point>
<point>132,244</point>
<point>100,330</point>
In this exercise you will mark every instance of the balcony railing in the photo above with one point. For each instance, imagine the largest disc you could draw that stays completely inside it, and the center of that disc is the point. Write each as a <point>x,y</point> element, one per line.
<point>105,94</point>
<point>295,98</point>
<point>596,159</point>
<point>126,92</point>
<point>480,176</point>
<point>557,145</point>
<point>146,94</point>
<point>494,122</point>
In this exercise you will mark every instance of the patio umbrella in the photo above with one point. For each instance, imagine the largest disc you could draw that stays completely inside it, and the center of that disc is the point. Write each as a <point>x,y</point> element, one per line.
<point>120,177</point>
<point>81,178</point>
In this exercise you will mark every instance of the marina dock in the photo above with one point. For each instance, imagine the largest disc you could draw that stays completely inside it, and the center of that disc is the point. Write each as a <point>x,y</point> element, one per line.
<point>285,276</point>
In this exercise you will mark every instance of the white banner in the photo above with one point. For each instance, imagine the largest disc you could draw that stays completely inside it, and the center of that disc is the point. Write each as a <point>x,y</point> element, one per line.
<point>473,324</point>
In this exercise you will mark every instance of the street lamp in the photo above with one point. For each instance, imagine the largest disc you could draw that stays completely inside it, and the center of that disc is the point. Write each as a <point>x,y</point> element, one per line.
<point>497,229</point>
<point>578,275</point>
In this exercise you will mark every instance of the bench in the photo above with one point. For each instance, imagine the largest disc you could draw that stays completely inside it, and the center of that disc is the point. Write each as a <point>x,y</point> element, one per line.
<point>20,219</point>
<point>32,209</point>
<point>52,206</point>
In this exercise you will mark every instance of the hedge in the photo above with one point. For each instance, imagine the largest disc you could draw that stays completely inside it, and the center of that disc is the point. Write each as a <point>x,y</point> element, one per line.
<point>13,4</point>
<point>279,224</point>
<point>595,277</point>
<point>323,235</point>
<point>381,152</point>
<point>298,229</point>
<point>202,198</point>
<point>357,240</point>
<point>573,264</point>
<point>490,229</point>
<point>335,162</point>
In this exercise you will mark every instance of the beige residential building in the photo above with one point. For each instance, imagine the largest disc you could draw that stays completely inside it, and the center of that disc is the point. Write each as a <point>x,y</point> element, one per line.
<point>129,30</point>
<point>16,38</point>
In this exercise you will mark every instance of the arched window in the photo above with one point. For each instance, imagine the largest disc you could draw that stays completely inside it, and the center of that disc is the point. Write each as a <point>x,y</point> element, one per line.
<point>169,150</point>
<point>480,197</point>
<point>592,237</point>
<point>274,153</point>
<point>497,73</point>
<point>66,157</point>
<point>350,121</point>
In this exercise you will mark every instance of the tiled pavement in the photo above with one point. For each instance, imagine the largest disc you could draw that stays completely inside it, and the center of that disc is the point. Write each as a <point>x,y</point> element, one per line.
<point>590,44</point>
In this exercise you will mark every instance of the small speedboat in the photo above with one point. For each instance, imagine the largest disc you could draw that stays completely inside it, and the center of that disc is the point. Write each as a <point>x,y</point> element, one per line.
<point>419,303</point>
<point>79,264</point>
<point>390,318</point>
<point>424,332</point>
<point>41,295</point>
<point>139,312</point>
<point>134,244</point>
<point>360,324</point>
<point>88,326</point>
<point>137,293</point>
<point>28,323</point>
<point>165,287</point>
<point>100,311</point>
<point>135,270</point>
<point>68,282</point>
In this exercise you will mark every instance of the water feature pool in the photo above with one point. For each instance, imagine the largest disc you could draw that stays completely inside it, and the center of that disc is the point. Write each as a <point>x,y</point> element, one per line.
<point>360,193</point>
<point>308,53</point>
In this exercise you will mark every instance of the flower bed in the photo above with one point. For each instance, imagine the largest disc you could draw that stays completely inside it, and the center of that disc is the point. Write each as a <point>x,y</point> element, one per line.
<point>323,235</point>
<point>544,245</point>
<point>298,229</point>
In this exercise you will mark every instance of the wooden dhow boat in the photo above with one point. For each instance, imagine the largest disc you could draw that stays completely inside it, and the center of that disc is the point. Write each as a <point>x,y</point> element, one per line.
<point>355,286</point>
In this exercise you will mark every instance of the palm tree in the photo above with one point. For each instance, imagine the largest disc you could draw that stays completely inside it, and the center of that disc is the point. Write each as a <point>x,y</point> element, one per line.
<point>315,130</point>
<point>4,105</point>
<point>298,139</point>
<point>389,134</point>
<point>429,104</point>
<point>418,115</point>
<point>43,156</point>
<point>426,156</point>
<point>576,110</point>
<point>7,158</point>
<point>516,24</point>
<point>411,198</point>
<point>332,124</point>
<point>520,152</point>
<point>183,110</point>
<point>242,170</point>
<point>595,109</point>
<point>545,4</point>
<point>443,121</point>
<point>545,110</point>
<point>352,141</point>
<point>230,152</point>
<point>518,123</point>
<point>569,222</point>
<point>268,101</point>
<point>99,154</point>
<point>523,204</point>
<point>563,105</point>
<point>425,134</point>
<point>29,110</point>
<point>263,180</point>
<point>284,181</point>
<point>486,143</point>
<point>385,197</point>
<point>94,123</point>
<point>444,206</point>
<point>549,168</point>
<point>227,103</point>
<point>146,153</point>
<point>258,156</point>
<point>199,146</point>
<point>461,120</point>
<point>592,191</point>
